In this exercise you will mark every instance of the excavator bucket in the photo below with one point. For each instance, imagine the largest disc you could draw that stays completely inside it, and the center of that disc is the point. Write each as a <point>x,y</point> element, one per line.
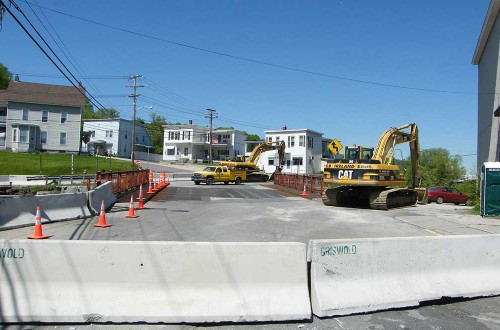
<point>423,197</point>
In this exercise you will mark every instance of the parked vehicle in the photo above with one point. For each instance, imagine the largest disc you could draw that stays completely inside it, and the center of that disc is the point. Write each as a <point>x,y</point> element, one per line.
<point>212,174</point>
<point>440,194</point>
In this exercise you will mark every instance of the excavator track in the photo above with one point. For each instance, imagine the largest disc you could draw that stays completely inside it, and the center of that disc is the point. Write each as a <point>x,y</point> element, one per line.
<point>375,198</point>
<point>393,198</point>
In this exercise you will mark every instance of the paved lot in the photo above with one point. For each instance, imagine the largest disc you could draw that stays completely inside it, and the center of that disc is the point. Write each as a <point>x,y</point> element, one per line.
<point>258,213</point>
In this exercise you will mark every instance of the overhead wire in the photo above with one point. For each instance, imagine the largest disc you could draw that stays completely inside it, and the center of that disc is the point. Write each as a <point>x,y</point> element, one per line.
<point>93,101</point>
<point>246,59</point>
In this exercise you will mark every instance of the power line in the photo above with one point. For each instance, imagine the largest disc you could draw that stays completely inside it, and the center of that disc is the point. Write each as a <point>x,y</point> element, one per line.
<point>2,4</point>
<point>246,59</point>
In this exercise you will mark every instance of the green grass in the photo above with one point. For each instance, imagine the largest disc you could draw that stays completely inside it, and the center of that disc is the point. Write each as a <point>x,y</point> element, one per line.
<point>12,163</point>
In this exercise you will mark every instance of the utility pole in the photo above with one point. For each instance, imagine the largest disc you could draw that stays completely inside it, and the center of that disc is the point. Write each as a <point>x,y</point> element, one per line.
<point>134,98</point>
<point>211,114</point>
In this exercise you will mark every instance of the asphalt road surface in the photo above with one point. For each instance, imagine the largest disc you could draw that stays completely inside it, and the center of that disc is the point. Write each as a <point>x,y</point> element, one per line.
<point>256,212</point>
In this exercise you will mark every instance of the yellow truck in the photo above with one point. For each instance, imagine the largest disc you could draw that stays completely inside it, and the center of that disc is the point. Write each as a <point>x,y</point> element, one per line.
<point>214,173</point>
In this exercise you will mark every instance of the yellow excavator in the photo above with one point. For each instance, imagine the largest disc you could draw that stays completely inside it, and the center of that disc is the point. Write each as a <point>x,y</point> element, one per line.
<point>254,173</point>
<point>367,177</point>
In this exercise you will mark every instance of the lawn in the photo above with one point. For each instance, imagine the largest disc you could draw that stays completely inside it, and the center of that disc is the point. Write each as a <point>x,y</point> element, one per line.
<point>12,163</point>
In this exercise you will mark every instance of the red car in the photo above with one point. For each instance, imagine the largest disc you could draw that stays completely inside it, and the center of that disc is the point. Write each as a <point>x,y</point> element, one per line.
<point>446,195</point>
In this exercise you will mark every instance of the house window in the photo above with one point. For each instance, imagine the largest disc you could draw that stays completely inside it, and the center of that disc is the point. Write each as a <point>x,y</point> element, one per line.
<point>171,152</point>
<point>64,117</point>
<point>26,113</point>
<point>15,134</point>
<point>270,161</point>
<point>277,139</point>
<point>186,151</point>
<point>143,139</point>
<point>310,142</point>
<point>109,133</point>
<point>45,116</point>
<point>270,139</point>
<point>291,141</point>
<point>62,138</point>
<point>43,138</point>
<point>297,161</point>
<point>23,134</point>
<point>301,141</point>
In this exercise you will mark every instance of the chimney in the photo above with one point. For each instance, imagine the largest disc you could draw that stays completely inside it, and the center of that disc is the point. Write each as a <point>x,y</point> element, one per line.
<point>16,78</point>
<point>190,122</point>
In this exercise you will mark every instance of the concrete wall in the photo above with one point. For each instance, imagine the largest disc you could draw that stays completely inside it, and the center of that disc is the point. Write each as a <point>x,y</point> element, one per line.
<point>488,149</point>
<point>98,281</point>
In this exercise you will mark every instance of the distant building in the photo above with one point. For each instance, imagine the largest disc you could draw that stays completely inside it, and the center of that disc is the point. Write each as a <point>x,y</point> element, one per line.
<point>114,137</point>
<point>303,151</point>
<point>41,117</point>
<point>486,56</point>
<point>190,142</point>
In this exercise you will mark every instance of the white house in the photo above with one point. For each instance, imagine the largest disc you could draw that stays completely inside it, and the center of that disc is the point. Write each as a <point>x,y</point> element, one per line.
<point>41,117</point>
<point>303,151</point>
<point>192,142</point>
<point>486,57</point>
<point>114,137</point>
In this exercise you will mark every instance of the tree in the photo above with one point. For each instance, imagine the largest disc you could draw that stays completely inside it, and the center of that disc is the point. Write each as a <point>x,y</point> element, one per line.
<point>252,137</point>
<point>5,77</point>
<point>105,113</point>
<point>438,167</point>
<point>155,130</point>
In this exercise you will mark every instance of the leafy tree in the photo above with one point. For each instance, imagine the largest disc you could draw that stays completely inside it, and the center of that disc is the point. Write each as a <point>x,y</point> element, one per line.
<point>88,111</point>
<point>438,167</point>
<point>155,129</point>
<point>252,137</point>
<point>105,113</point>
<point>5,77</point>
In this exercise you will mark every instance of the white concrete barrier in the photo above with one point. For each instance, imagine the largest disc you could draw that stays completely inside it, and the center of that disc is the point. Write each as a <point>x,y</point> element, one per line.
<point>100,193</point>
<point>20,210</point>
<point>363,275</point>
<point>98,281</point>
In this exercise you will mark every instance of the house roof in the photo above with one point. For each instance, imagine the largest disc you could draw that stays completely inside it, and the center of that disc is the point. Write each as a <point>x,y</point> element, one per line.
<point>34,93</point>
<point>489,21</point>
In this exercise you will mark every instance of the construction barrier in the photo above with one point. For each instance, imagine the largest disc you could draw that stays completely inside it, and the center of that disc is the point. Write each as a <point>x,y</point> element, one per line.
<point>103,281</point>
<point>363,275</point>
<point>20,210</point>
<point>303,183</point>
<point>100,193</point>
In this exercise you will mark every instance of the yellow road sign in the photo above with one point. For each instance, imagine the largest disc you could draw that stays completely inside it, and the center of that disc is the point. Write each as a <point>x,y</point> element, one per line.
<point>335,146</point>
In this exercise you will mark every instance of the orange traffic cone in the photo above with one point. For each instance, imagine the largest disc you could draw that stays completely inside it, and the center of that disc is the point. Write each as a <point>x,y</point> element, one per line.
<point>304,192</point>
<point>141,204</point>
<point>155,187</point>
<point>102,218</point>
<point>38,226</point>
<point>131,213</point>
<point>140,193</point>
<point>150,190</point>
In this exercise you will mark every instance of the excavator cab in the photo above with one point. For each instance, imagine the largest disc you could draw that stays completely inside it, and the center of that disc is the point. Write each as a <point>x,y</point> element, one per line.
<point>358,153</point>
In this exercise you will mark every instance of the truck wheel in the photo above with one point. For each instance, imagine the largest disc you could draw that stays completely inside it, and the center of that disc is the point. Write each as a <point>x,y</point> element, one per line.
<point>237,181</point>
<point>226,182</point>
<point>210,180</point>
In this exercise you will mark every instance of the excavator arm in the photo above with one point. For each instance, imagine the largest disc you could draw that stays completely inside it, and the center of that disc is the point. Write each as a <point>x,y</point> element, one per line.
<point>384,152</point>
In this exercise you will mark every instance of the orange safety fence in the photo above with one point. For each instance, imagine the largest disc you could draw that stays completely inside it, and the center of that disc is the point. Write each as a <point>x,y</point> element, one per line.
<point>313,184</point>
<point>124,181</point>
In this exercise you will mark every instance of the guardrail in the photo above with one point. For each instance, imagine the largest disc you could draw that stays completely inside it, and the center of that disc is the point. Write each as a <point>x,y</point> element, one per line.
<point>122,181</point>
<point>310,183</point>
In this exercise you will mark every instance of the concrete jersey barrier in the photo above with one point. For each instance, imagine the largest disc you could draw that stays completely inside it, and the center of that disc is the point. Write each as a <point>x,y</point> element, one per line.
<point>100,193</point>
<point>95,281</point>
<point>363,275</point>
<point>20,210</point>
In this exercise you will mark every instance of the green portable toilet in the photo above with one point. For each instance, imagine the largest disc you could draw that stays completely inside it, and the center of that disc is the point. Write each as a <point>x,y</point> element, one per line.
<point>490,189</point>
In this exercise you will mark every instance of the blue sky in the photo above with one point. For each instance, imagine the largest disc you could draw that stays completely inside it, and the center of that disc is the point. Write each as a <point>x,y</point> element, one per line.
<point>348,69</point>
